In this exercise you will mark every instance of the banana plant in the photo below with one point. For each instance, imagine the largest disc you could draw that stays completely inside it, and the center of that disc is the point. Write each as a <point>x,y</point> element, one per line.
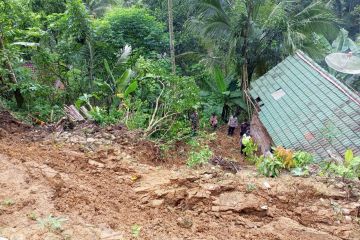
<point>225,89</point>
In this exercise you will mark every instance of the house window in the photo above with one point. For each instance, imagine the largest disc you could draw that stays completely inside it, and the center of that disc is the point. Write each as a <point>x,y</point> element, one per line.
<point>278,94</point>
<point>259,102</point>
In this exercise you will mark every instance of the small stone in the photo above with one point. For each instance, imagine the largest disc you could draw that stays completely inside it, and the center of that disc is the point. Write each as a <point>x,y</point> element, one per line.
<point>264,207</point>
<point>97,164</point>
<point>266,185</point>
<point>346,211</point>
<point>157,202</point>
<point>184,222</point>
<point>90,140</point>
<point>348,219</point>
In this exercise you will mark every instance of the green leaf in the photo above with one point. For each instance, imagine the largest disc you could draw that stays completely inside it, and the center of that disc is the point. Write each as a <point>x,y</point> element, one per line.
<point>131,88</point>
<point>236,94</point>
<point>348,156</point>
<point>226,93</point>
<point>239,102</point>
<point>220,80</point>
<point>107,67</point>
<point>123,79</point>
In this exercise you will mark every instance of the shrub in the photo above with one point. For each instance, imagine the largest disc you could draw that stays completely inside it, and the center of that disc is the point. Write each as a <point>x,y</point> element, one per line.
<point>270,166</point>
<point>250,148</point>
<point>200,157</point>
<point>302,158</point>
<point>134,26</point>
<point>285,156</point>
<point>349,169</point>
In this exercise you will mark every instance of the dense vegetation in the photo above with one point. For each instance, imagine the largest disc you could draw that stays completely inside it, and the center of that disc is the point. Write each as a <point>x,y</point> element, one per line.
<point>128,61</point>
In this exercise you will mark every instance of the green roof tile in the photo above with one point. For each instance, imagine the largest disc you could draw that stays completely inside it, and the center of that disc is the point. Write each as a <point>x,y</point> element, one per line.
<point>311,101</point>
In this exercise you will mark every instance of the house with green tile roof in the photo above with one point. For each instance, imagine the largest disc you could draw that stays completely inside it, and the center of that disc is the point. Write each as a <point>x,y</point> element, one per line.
<point>303,107</point>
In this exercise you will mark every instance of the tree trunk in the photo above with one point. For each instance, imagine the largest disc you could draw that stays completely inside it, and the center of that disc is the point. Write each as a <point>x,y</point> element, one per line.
<point>171,33</point>
<point>245,75</point>
<point>11,74</point>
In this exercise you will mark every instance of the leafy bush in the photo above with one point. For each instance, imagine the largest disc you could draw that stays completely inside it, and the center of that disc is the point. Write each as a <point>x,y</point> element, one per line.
<point>302,158</point>
<point>270,166</point>
<point>250,148</point>
<point>349,169</point>
<point>101,117</point>
<point>199,157</point>
<point>134,26</point>
<point>285,156</point>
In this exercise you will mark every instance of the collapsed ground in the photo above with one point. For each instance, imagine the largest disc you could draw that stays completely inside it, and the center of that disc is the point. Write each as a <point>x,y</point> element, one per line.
<point>108,183</point>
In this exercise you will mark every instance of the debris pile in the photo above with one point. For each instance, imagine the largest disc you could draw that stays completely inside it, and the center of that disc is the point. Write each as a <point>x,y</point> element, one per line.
<point>226,165</point>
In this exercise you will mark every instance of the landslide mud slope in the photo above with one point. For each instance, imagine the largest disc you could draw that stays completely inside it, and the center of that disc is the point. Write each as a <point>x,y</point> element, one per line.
<point>104,188</point>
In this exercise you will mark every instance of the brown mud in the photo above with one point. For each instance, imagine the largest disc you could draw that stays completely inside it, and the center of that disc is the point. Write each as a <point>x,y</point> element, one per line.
<point>110,184</point>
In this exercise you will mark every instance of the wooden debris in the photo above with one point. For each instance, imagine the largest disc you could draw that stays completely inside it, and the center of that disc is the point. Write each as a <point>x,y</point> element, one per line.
<point>73,114</point>
<point>85,112</point>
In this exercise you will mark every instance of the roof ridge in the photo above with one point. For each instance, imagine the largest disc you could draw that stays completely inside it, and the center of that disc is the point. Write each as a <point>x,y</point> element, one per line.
<point>342,87</point>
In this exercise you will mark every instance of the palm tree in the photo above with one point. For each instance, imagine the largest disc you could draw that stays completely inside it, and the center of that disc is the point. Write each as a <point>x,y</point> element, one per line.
<point>171,34</point>
<point>245,30</point>
<point>223,88</point>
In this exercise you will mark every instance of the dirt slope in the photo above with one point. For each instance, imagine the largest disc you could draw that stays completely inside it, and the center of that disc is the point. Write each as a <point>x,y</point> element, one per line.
<point>105,190</point>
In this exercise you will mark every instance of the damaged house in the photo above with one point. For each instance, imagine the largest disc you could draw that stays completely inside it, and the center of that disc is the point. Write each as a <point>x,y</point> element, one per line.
<point>302,107</point>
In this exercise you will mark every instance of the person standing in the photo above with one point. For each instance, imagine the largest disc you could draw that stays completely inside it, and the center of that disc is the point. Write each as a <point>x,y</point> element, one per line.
<point>244,131</point>
<point>233,123</point>
<point>194,118</point>
<point>213,121</point>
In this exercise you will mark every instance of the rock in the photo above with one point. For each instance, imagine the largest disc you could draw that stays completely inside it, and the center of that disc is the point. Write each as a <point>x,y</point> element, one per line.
<point>157,202</point>
<point>285,228</point>
<point>346,211</point>
<point>96,164</point>
<point>90,140</point>
<point>184,222</point>
<point>266,185</point>
<point>238,202</point>
<point>348,219</point>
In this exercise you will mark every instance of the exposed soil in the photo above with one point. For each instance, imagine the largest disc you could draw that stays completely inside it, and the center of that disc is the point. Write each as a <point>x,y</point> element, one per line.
<point>110,184</point>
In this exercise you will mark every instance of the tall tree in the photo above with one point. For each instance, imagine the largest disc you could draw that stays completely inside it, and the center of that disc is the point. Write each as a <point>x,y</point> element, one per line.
<point>245,30</point>
<point>171,33</point>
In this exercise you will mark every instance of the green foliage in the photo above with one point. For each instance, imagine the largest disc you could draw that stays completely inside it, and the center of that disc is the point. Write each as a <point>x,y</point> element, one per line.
<point>8,202</point>
<point>135,230</point>
<point>349,169</point>
<point>225,90</point>
<point>134,26</point>
<point>52,223</point>
<point>270,167</point>
<point>302,158</point>
<point>197,158</point>
<point>300,171</point>
<point>250,148</point>
<point>250,187</point>
<point>101,117</point>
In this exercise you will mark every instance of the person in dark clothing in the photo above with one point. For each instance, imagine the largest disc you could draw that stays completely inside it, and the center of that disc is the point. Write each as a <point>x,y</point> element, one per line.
<point>194,118</point>
<point>244,130</point>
